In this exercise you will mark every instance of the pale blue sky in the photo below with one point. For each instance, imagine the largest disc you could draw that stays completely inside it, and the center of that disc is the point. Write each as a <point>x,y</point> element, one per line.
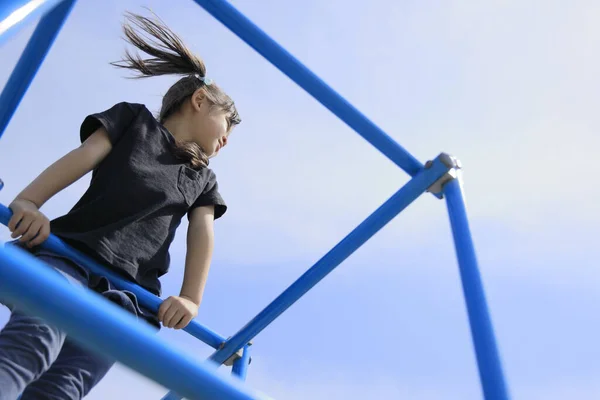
<point>510,87</point>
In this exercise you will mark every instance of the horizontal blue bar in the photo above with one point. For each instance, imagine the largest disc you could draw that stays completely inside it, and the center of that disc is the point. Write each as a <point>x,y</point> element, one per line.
<point>31,285</point>
<point>398,202</point>
<point>145,298</point>
<point>14,14</point>
<point>306,79</point>
<point>486,350</point>
<point>31,60</point>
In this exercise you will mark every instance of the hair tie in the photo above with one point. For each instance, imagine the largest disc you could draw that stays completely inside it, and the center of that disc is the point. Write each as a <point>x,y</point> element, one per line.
<point>207,81</point>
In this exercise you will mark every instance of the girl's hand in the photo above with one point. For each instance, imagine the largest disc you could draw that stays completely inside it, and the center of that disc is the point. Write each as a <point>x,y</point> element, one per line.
<point>177,312</point>
<point>28,222</point>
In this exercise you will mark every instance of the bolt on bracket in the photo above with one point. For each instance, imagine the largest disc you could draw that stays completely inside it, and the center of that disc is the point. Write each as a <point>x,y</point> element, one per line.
<point>451,162</point>
<point>235,356</point>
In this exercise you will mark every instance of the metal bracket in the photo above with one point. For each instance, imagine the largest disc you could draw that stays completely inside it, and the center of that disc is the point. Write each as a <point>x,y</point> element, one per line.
<point>235,356</point>
<point>451,162</point>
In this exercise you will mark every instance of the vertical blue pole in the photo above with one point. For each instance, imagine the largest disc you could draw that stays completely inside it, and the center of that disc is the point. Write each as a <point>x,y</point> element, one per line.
<point>240,366</point>
<point>482,332</point>
<point>30,61</point>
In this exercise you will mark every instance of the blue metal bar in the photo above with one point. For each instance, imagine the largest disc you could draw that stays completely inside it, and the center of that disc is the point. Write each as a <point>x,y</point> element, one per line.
<point>488,359</point>
<point>145,298</point>
<point>30,284</point>
<point>14,14</point>
<point>30,61</point>
<point>388,210</point>
<point>299,73</point>
<point>240,366</point>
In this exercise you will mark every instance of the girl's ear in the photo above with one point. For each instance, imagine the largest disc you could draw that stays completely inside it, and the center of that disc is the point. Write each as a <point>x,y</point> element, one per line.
<point>197,99</point>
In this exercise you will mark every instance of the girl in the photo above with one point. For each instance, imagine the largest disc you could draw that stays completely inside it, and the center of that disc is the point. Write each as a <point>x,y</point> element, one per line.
<point>147,174</point>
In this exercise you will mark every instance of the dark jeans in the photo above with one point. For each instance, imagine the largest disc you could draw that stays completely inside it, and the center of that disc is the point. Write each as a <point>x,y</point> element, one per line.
<point>39,361</point>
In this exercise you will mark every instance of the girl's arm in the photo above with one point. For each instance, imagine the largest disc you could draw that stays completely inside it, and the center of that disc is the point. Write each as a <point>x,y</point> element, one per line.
<point>177,311</point>
<point>68,169</point>
<point>200,244</point>
<point>27,221</point>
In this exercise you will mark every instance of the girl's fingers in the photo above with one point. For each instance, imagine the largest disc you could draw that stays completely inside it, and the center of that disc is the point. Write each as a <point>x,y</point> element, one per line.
<point>180,316</point>
<point>14,220</point>
<point>164,307</point>
<point>184,322</point>
<point>23,226</point>
<point>42,235</point>
<point>169,314</point>
<point>172,317</point>
<point>33,230</point>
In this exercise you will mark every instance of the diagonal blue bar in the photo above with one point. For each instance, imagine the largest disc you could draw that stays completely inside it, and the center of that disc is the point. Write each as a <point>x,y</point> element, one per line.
<point>306,79</point>
<point>30,61</point>
<point>377,220</point>
<point>31,285</point>
<point>146,298</point>
<point>14,14</point>
<point>482,332</point>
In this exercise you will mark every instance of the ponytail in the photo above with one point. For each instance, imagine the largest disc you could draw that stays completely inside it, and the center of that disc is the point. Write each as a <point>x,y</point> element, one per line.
<point>169,53</point>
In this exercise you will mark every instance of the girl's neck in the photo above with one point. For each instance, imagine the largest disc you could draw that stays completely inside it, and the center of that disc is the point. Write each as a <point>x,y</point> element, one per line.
<point>176,126</point>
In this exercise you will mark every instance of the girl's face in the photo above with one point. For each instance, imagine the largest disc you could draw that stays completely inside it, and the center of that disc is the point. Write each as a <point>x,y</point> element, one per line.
<point>209,127</point>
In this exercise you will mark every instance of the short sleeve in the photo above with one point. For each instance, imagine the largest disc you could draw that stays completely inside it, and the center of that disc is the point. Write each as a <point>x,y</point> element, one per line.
<point>116,120</point>
<point>211,196</point>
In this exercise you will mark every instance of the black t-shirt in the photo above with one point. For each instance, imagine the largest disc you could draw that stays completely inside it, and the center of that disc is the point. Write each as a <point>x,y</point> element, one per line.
<point>137,196</point>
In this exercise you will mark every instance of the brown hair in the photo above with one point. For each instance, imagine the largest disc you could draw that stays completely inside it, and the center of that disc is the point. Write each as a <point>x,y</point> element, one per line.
<point>171,56</point>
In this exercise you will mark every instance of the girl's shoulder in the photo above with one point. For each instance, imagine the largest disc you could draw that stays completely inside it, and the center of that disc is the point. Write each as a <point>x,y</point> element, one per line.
<point>139,115</point>
<point>135,108</point>
<point>131,108</point>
